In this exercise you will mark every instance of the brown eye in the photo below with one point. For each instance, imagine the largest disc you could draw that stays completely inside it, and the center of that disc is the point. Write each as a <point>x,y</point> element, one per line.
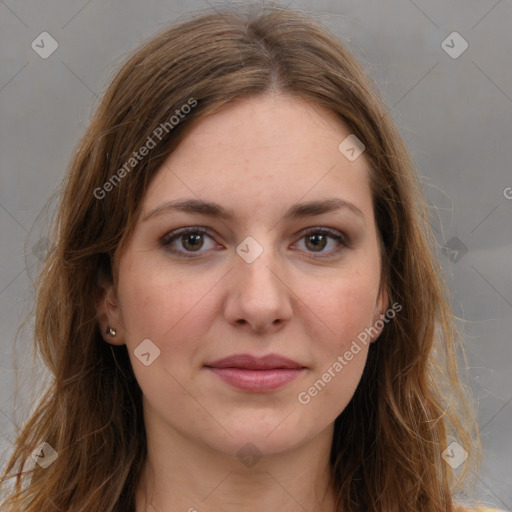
<point>187,241</point>
<point>316,240</point>
<point>192,241</point>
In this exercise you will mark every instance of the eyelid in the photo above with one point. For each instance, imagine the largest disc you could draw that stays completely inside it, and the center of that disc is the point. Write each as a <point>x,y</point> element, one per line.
<point>334,233</point>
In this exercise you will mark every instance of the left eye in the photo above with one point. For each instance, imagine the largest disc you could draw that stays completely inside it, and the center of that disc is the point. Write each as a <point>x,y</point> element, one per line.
<point>317,239</point>
<point>192,240</point>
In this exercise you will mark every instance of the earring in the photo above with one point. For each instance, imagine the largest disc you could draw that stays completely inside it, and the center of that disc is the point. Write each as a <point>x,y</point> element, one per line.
<point>110,331</point>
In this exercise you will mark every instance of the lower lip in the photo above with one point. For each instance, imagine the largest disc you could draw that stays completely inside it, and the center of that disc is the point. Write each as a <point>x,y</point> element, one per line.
<point>257,380</point>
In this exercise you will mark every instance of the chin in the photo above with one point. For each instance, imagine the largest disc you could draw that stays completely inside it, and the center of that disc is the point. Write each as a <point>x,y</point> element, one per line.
<point>265,436</point>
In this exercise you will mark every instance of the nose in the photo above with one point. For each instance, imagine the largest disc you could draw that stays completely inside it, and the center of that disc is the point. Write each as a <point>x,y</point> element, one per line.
<point>258,297</point>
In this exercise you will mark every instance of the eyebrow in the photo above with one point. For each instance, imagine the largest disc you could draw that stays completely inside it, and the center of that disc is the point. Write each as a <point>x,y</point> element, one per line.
<point>212,209</point>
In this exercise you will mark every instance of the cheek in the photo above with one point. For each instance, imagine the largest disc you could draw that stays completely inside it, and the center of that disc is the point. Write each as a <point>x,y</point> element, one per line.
<point>160,306</point>
<point>146,294</point>
<point>163,306</point>
<point>338,313</point>
<point>339,365</point>
<point>341,308</point>
<point>354,309</point>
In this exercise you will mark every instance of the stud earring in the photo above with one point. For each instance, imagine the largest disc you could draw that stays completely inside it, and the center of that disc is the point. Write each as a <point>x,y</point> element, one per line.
<point>110,331</point>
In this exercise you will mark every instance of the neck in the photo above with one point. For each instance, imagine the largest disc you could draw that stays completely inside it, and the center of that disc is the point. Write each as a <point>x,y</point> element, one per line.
<point>180,474</point>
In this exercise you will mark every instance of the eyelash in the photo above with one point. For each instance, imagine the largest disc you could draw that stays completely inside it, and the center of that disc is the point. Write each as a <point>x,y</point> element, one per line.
<point>167,240</point>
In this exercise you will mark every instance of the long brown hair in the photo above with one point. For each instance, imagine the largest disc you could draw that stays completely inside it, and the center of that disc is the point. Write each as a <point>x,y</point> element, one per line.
<point>387,446</point>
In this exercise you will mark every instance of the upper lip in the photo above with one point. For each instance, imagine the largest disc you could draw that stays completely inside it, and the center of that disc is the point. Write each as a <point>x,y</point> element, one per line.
<point>268,362</point>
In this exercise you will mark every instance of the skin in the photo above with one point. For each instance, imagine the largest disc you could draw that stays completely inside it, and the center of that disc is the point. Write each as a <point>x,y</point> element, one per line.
<point>257,157</point>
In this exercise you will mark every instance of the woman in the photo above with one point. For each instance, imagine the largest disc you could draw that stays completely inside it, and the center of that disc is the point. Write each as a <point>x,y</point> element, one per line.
<point>241,310</point>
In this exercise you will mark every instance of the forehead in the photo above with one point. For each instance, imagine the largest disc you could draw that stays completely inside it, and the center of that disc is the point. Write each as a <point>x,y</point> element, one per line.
<point>260,151</point>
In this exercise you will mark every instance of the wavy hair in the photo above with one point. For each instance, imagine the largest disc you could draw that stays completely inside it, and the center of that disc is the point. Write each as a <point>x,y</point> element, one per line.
<point>410,403</point>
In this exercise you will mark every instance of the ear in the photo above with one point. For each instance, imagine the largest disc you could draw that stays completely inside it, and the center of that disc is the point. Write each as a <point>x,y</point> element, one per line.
<point>381,306</point>
<point>108,312</point>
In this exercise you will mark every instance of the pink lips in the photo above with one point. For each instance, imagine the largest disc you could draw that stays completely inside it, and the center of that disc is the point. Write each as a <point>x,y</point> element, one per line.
<point>250,373</point>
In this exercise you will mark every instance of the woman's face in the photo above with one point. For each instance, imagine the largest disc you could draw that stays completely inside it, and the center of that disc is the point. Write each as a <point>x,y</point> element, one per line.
<point>259,183</point>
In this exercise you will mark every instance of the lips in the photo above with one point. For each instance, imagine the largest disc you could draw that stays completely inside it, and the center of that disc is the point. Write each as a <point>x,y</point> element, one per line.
<point>256,374</point>
<point>248,362</point>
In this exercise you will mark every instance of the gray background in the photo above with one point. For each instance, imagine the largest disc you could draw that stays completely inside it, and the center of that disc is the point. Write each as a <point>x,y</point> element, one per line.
<point>454,113</point>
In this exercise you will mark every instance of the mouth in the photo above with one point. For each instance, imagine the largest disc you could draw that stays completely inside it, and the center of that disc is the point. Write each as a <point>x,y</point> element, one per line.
<point>256,374</point>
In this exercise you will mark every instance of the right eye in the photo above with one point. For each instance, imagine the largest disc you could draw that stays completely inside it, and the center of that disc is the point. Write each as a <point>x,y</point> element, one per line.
<point>186,241</point>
